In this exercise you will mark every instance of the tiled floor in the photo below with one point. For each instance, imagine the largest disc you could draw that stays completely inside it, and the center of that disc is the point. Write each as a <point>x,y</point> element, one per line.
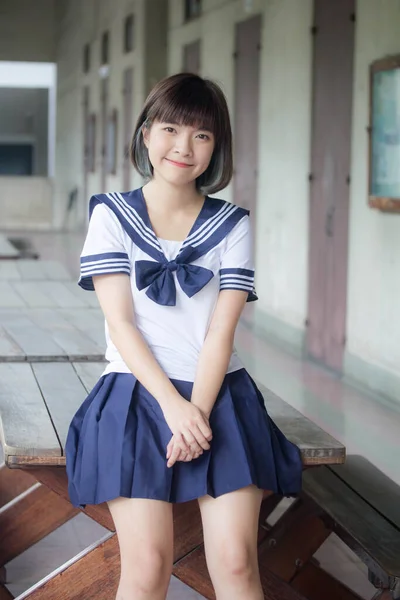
<point>352,417</point>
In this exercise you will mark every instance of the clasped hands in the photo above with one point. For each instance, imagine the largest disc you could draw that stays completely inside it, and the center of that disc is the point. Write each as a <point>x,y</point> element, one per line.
<point>191,432</point>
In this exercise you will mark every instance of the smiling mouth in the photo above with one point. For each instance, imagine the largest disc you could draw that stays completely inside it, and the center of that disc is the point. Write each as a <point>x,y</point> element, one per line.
<point>178,164</point>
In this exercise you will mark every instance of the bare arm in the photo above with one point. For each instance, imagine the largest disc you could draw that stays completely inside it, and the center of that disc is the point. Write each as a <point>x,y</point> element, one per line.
<point>115,297</point>
<point>214,359</point>
<point>187,423</point>
<point>217,349</point>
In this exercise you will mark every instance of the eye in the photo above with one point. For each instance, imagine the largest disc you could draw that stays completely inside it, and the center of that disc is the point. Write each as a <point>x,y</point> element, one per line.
<point>203,136</point>
<point>169,129</point>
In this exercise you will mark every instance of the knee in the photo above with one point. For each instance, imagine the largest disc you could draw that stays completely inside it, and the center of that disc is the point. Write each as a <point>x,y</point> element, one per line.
<point>235,561</point>
<point>148,572</point>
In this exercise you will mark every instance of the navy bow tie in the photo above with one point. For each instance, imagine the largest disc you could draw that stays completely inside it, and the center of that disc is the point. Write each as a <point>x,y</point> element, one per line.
<point>158,278</point>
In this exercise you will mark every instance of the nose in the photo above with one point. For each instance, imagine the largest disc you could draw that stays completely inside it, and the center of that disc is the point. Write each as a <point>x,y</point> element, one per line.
<point>183,144</point>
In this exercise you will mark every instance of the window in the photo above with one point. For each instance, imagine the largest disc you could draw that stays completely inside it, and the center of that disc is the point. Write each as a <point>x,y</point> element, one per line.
<point>86,58</point>
<point>91,143</point>
<point>112,127</point>
<point>192,9</point>
<point>105,43</point>
<point>129,33</point>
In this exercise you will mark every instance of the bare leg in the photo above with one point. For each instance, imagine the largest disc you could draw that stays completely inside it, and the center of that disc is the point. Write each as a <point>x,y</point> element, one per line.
<point>145,536</point>
<point>230,525</point>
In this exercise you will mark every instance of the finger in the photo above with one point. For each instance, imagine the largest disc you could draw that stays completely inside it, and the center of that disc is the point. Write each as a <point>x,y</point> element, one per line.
<point>201,440</point>
<point>169,447</point>
<point>178,447</point>
<point>191,440</point>
<point>205,429</point>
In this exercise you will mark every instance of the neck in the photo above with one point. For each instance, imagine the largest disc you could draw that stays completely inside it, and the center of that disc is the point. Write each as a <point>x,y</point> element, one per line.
<point>174,197</point>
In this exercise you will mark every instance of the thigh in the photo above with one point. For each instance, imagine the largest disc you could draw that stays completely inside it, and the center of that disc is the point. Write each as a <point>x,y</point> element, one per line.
<point>145,530</point>
<point>230,523</point>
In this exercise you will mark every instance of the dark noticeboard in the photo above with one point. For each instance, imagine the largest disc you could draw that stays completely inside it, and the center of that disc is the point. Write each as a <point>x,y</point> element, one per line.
<point>384,135</point>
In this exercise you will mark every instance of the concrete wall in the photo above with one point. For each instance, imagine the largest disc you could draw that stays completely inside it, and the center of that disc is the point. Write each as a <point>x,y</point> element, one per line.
<point>373,322</point>
<point>25,203</point>
<point>24,119</point>
<point>284,140</point>
<point>27,30</point>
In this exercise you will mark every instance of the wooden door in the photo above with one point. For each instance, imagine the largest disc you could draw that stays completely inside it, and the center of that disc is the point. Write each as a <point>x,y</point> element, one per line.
<point>104,128</point>
<point>329,180</point>
<point>86,126</point>
<point>246,120</point>
<point>127,126</point>
<point>191,58</point>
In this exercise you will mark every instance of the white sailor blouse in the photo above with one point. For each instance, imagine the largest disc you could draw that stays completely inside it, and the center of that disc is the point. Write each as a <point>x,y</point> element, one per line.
<point>175,285</point>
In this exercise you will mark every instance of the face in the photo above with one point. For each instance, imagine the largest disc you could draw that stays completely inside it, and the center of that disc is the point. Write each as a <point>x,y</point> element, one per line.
<point>179,153</point>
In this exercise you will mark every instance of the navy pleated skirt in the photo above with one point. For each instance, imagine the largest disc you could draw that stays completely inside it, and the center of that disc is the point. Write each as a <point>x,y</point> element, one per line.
<point>117,442</point>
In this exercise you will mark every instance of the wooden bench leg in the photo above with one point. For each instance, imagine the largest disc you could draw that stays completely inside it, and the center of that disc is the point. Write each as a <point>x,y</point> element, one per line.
<point>92,575</point>
<point>29,518</point>
<point>12,483</point>
<point>293,540</point>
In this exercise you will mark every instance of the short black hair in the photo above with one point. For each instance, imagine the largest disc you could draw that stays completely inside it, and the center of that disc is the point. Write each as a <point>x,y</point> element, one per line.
<point>188,99</point>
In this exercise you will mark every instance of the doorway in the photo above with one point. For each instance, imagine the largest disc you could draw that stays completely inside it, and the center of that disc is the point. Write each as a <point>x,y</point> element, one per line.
<point>329,180</point>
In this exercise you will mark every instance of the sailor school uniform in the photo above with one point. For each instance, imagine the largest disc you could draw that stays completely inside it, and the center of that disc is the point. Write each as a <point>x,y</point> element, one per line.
<point>116,444</point>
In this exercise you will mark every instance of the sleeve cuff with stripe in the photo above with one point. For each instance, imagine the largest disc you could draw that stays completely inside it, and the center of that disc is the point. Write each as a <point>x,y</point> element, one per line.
<point>102,264</point>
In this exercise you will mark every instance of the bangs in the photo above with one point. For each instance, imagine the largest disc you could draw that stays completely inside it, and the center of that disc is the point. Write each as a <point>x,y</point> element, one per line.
<point>189,103</point>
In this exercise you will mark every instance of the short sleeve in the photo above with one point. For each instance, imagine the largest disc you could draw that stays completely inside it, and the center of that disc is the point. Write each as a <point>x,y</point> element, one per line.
<point>237,265</point>
<point>104,251</point>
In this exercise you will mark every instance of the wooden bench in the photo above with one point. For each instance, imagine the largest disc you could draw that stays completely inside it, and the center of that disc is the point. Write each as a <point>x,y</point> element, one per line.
<point>362,506</point>
<point>37,401</point>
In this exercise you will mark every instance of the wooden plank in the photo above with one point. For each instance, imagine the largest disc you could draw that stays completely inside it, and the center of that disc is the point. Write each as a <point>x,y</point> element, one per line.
<point>9,298</point>
<point>56,480</point>
<point>63,393</point>
<point>89,373</point>
<point>31,270</point>
<point>92,575</point>
<point>283,553</point>
<point>35,341</point>
<point>317,446</point>
<point>34,293</point>
<point>12,483</point>
<point>311,581</point>
<point>188,530</point>
<point>29,518</point>
<point>193,571</point>
<point>9,270</point>
<point>374,486</point>
<point>376,536</point>
<point>90,322</point>
<point>25,426</point>
<point>74,343</point>
<point>55,271</point>
<point>88,297</point>
<point>9,349</point>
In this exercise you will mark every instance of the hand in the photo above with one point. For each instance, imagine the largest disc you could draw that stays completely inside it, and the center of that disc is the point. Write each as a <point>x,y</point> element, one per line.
<point>190,429</point>
<point>183,456</point>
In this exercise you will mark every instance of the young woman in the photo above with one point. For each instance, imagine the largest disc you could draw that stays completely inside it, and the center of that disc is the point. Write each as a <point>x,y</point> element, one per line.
<point>175,416</point>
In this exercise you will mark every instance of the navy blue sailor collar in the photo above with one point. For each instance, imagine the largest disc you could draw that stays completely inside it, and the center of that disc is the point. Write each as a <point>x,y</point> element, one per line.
<point>214,222</point>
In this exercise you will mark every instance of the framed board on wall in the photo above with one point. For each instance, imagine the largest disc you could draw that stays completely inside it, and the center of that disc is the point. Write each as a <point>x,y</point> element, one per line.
<point>384,134</point>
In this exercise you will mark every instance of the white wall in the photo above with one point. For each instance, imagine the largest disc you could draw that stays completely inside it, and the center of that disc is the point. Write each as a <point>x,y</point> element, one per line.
<point>26,203</point>
<point>373,322</point>
<point>284,138</point>
<point>27,30</point>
